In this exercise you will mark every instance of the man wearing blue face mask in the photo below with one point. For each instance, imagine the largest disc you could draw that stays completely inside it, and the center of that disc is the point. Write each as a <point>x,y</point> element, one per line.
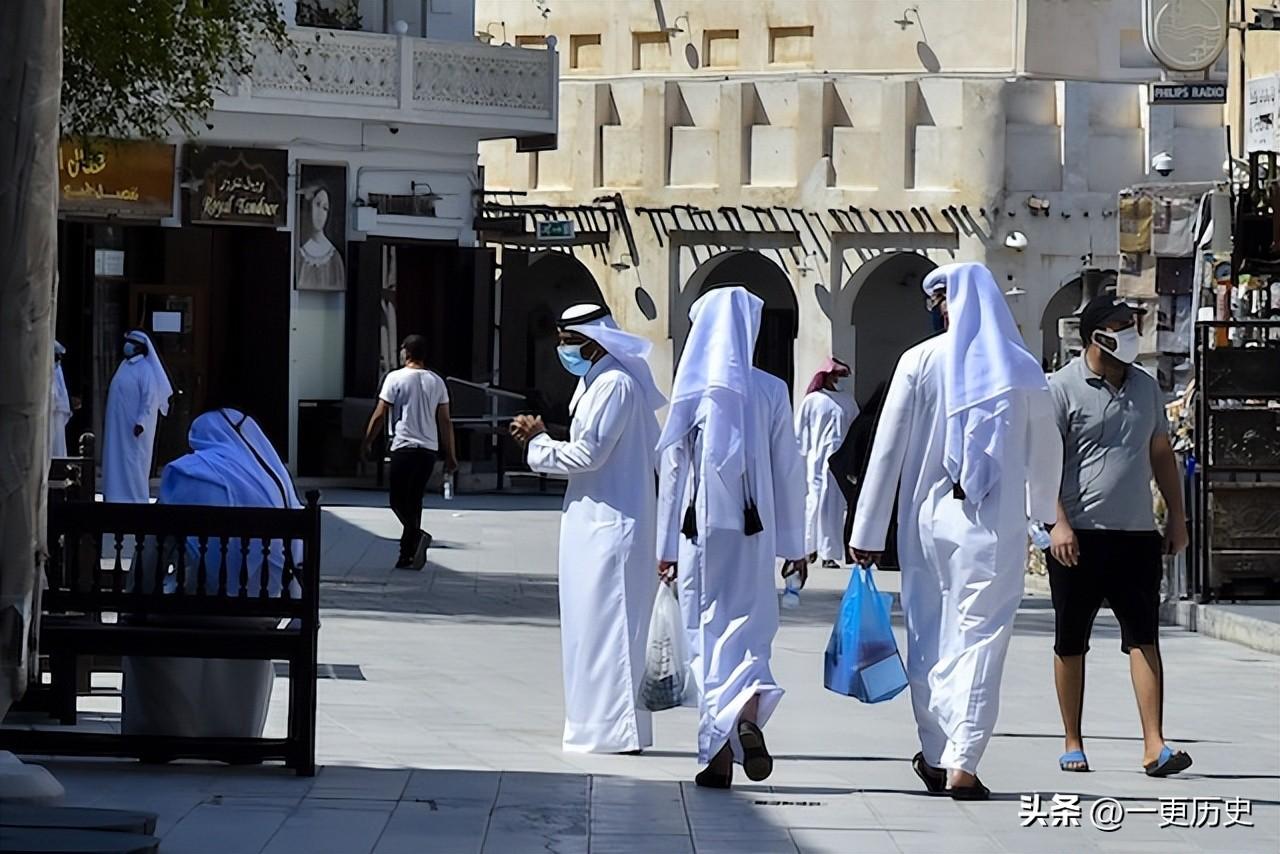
<point>1104,544</point>
<point>608,529</point>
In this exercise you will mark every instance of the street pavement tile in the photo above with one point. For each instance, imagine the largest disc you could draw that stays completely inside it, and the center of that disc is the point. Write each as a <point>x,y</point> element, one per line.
<point>924,842</point>
<point>753,844</point>
<point>641,843</point>
<point>523,843</point>
<point>452,785</point>
<point>330,827</point>
<point>345,782</point>
<point>423,826</point>
<point>452,742</point>
<point>222,829</point>
<point>827,841</point>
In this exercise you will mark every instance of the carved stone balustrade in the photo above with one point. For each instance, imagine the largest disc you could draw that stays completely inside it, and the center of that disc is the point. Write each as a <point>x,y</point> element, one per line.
<point>332,73</point>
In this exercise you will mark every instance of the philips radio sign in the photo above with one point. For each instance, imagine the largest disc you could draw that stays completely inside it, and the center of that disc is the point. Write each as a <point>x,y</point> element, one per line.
<point>1185,35</point>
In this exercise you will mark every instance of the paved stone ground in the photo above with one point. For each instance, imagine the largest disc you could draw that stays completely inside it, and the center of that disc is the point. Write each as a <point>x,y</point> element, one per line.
<point>450,741</point>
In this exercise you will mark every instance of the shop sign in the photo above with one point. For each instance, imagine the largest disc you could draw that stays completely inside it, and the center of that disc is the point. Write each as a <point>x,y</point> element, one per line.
<point>108,262</point>
<point>555,230</point>
<point>236,186</point>
<point>1185,35</point>
<point>1188,93</point>
<point>1262,98</point>
<point>115,178</point>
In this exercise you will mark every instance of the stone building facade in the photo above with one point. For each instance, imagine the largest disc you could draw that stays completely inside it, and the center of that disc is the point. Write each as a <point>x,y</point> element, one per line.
<point>827,153</point>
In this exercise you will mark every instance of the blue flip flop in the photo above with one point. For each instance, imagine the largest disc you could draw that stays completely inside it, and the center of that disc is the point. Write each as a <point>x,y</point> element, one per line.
<point>1170,762</point>
<point>1073,756</point>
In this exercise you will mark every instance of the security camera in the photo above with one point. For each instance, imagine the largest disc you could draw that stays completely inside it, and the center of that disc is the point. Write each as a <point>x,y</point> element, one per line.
<point>1163,163</point>
<point>1016,240</point>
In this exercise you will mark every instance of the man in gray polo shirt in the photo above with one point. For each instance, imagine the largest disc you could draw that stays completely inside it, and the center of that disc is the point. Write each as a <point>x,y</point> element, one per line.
<point>1105,545</point>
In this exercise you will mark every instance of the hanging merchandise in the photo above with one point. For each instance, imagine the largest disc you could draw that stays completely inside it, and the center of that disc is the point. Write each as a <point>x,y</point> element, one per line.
<point>1221,302</point>
<point>1135,212</point>
<point>1173,226</point>
<point>1174,275</point>
<point>1137,276</point>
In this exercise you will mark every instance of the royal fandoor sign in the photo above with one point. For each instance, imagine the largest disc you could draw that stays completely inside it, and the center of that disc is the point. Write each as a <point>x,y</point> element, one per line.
<point>1186,36</point>
<point>236,186</point>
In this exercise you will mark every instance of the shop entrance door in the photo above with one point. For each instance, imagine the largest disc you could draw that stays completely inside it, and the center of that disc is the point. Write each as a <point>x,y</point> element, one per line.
<point>174,317</point>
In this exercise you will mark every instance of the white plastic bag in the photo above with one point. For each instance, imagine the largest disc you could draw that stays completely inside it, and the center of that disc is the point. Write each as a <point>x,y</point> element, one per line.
<point>665,662</point>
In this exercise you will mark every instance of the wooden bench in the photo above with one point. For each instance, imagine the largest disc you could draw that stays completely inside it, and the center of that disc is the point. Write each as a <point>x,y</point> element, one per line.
<point>163,597</point>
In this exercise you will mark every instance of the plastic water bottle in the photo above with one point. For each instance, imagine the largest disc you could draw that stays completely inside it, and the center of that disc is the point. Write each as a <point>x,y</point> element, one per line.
<point>791,593</point>
<point>1039,536</point>
<point>448,487</point>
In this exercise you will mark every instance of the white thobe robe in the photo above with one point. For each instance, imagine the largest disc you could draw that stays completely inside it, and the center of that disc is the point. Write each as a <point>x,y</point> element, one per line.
<point>126,459</point>
<point>59,414</point>
<point>195,697</point>
<point>727,580</point>
<point>821,425</point>
<point>607,572</point>
<point>962,565</point>
<point>201,697</point>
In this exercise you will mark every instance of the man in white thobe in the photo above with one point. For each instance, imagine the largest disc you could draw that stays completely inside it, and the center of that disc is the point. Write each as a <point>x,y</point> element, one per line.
<point>821,425</point>
<point>730,503</point>
<point>607,531</point>
<point>968,428</point>
<point>59,405</point>
<point>139,394</point>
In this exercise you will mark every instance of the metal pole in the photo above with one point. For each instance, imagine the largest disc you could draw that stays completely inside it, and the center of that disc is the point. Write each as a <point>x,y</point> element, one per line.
<point>1244,85</point>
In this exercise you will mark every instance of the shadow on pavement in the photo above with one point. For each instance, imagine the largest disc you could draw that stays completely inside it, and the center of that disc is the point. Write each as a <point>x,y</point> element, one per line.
<point>398,810</point>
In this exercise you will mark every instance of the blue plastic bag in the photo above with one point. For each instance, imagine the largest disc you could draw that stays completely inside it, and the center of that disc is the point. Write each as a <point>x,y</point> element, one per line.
<point>862,656</point>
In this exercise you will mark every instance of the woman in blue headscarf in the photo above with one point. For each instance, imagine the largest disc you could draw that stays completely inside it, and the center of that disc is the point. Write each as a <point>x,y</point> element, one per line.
<point>231,464</point>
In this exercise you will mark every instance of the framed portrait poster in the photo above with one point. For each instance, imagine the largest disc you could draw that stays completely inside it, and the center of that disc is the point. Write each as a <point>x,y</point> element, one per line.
<point>321,231</point>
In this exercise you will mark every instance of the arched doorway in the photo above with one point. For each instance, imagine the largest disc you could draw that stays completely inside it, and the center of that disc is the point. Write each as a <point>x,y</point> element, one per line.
<point>1065,303</point>
<point>779,322</point>
<point>536,289</point>
<point>1061,304</point>
<point>888,316</point>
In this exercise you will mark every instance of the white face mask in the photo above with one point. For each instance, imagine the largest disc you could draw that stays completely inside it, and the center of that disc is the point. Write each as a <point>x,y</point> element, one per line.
<point>1121,345</point>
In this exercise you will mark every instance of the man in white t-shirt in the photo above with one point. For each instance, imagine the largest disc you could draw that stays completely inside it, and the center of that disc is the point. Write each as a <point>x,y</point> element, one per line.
<point>419,403</point>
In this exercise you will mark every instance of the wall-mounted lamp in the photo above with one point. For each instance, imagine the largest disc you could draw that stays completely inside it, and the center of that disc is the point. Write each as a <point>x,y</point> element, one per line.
<point>488,28</point>
<point>430,195</point>
<point>1016,240</point>
<point>675,29</point>
<point>1014,291</point>
<point>624,262</point>
<point>905,21</point>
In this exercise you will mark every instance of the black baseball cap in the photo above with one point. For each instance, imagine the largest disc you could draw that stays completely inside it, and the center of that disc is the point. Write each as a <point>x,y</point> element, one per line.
<point>1104,309</point>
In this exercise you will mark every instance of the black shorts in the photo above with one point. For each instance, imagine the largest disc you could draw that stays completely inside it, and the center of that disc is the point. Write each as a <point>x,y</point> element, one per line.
<point>1124,568</point>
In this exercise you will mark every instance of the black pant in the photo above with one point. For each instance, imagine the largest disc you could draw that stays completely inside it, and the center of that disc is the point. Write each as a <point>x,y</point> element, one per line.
<point>410,471</point>
<point>1124,568</point>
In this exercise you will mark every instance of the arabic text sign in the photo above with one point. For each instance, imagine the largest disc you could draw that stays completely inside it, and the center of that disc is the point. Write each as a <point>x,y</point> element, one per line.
<point>116,178</point>
<point>236,186</point>
<point>1262,114</point>
<point>1188,93</point>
